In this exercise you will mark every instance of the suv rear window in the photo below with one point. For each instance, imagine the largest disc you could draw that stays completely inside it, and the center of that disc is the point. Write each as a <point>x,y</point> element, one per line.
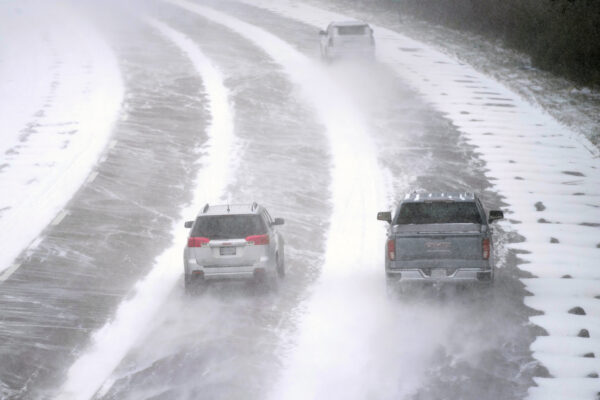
<point>352,30</point>
<point>229,226</point>
<point>439,212</point>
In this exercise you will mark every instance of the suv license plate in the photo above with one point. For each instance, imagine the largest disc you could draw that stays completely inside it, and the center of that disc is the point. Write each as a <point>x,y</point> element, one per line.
<point>227,251</point>
<point>438,273</point>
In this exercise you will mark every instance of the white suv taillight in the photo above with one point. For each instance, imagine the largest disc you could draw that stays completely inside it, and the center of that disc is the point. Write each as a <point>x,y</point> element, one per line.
<point>198,241</point>
<point>258,239</point>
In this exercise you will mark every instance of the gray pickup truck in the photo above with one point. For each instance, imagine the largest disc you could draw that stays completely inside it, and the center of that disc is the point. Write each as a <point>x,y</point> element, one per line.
<point>439,237</point>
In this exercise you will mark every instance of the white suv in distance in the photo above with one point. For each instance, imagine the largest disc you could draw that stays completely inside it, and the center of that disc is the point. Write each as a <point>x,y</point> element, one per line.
<point>237,241</point>
<point>348,39</point>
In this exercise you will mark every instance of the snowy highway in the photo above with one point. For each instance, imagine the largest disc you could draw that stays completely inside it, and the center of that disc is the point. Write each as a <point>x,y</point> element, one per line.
<point>118,133</point>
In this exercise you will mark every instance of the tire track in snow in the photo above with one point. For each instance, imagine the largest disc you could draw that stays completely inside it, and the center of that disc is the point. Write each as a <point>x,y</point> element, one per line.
<point>92,369</point>
<point>343,346</point>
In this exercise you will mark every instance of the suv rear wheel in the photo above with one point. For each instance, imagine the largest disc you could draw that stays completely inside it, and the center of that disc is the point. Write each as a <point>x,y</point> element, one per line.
<point>193,286</point>
<point>280,267</point>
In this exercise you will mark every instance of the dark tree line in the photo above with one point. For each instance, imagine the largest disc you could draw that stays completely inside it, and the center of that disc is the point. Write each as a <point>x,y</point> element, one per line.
<point>562,36</point>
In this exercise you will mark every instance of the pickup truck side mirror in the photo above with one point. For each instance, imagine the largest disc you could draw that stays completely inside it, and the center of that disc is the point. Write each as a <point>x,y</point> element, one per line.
<point>188,224</point>
<point>495,215</point>
<point>385,216</point>
<point>277,221</point>
<point>322,33</point>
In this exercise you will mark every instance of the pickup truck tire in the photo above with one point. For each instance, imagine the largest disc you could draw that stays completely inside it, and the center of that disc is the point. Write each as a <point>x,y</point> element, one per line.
<point>393,288</point>
<point>488,281</point>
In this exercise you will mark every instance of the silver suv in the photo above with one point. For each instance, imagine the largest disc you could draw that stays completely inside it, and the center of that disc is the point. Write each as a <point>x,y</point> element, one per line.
<point>237,241</point>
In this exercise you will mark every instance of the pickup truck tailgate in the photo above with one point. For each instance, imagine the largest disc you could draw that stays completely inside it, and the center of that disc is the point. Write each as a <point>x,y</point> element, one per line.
<point>439,242</point>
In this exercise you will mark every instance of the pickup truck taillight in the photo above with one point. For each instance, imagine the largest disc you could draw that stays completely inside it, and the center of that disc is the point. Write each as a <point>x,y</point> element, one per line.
<point>258,239</point>
<point>391,249</point>
<point>486,248</point>
<point>198,241</point>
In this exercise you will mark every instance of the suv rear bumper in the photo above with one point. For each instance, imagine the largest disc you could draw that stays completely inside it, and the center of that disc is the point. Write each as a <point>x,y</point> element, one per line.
<point>196,272</point>
<point>229,275</point>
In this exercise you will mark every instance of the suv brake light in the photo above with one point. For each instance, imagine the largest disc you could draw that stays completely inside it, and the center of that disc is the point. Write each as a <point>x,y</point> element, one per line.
<point>198,241</point>
<point>486,248</point>
<point>391,249</point>
<point>258,239</point>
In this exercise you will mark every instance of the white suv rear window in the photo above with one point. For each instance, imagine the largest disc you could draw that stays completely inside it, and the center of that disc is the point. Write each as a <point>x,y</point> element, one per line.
<point>228,226</point>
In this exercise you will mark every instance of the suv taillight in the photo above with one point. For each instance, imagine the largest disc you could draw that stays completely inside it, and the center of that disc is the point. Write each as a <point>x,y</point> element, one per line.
<point>198,241</point>
<point>391,249</point>
<point>258,239</point>
<point>486,248</point>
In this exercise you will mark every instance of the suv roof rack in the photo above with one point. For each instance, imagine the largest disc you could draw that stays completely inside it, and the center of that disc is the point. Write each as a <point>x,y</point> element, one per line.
<point>205,209</point>
<point>254,205</point>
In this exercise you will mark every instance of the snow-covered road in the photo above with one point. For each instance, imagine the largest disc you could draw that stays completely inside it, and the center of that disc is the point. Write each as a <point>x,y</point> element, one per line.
<point>547,174</point>
<point>325,148</point>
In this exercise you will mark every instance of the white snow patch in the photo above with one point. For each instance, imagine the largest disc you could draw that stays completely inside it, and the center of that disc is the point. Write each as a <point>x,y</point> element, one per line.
<point>565,388</point>
<point>568,346</point>
<point>112,342</point>
<point>568,366</point>
<point>532,158</point>
<point>60,93</point>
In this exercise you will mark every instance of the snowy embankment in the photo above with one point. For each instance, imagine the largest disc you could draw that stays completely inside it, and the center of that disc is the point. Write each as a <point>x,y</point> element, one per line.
<point>341,349</point>
<point>547,174</point>
<point>61,92</point>
<point>112,342</point>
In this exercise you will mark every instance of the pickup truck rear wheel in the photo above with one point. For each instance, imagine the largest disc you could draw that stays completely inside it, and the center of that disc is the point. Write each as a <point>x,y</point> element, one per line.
<point>392,288</point>
<point>486,278</point>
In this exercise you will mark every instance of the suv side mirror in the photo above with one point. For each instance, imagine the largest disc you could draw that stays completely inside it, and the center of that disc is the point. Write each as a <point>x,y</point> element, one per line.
<point>495,215</point>
<point>277,221</point>
<point>188,224</point>
<point>322,33</point>
<point>385,216</point>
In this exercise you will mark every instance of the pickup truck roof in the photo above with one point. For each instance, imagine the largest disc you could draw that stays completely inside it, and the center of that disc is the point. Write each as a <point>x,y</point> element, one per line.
<point>439,196</point>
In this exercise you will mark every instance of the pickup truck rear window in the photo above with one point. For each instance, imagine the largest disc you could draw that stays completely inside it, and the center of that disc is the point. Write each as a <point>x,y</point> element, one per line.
<point>439,212</point>
<point>228,226</point>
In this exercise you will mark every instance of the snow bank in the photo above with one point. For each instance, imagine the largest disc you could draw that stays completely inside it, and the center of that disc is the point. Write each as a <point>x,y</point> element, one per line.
<point>547,173</point>
<point>61,91</point>
<point>92,369</point>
